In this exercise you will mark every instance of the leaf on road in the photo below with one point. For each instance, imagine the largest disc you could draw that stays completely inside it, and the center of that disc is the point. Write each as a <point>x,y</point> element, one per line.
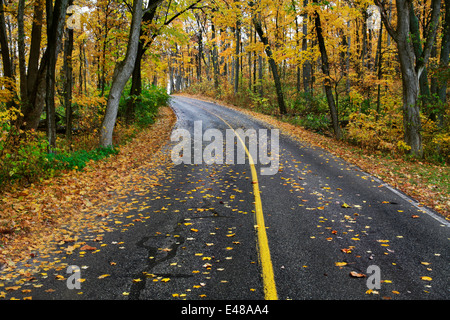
<point>355,274</point>
<point>340,264</point>
<point>88,247</point>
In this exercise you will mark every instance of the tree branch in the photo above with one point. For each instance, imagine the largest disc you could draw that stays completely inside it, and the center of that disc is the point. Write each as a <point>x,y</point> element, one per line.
<point>431,35</point>
<point>385,19</point>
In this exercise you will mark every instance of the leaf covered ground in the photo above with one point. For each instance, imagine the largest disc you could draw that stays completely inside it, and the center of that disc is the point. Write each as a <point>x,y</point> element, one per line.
<point>38,218</point>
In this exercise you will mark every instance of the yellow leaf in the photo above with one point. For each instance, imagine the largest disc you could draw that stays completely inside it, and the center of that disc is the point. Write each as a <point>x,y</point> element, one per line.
<point>103,276</point>
<point>345,206</point>
<point>426,278</point>
<point>340,264</point>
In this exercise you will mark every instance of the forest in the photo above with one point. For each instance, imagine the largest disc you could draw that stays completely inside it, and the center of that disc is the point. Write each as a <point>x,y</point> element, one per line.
<point>78,78</point>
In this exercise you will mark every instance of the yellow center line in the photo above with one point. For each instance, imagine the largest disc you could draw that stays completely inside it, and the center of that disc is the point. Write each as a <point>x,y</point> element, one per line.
<point>270,290</point>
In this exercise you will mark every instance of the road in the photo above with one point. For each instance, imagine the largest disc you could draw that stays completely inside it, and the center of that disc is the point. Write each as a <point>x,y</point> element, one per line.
<point>319,226</point>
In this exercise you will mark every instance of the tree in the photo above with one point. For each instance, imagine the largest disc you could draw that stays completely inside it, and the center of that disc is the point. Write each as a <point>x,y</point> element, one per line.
<point>68,79</point>
<point>122,72</point>
<point>6,59</point>
<point>256,19</point>
<point>445,55</point>
<point>326,72</point>
<point>411,66</point>
<point>56,17</point>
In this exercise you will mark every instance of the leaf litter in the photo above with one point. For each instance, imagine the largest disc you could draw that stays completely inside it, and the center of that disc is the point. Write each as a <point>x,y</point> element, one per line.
<point>41,219</point>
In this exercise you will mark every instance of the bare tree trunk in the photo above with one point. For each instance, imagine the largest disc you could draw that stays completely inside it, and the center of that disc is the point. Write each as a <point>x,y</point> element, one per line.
<point>122,73</point>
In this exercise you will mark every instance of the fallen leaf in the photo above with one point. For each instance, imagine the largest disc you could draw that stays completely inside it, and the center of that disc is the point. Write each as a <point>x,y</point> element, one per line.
<point>357,274</point>
<point>88,247</point>
<point>13,288</point>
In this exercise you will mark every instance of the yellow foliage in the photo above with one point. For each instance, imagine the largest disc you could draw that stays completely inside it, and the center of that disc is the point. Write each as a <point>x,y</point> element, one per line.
<point>377,132</point>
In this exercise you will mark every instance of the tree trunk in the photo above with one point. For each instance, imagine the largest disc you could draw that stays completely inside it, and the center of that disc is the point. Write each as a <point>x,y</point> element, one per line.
<point>411,66</point>
<point>326,72</point>
<point>68,84</point>
<point>6,59</point>
<point>306,64</point>
<point>54,36</point>
<point>122,73</point>
<point>445,56</point>
<point>21,48</point>
<point>425,94</point>
<point>378,63</point>
<point>272,63</point>
<point>236,72</point>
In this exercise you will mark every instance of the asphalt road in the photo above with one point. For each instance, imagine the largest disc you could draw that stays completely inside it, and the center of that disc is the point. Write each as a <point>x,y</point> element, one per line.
<point>325,220</point>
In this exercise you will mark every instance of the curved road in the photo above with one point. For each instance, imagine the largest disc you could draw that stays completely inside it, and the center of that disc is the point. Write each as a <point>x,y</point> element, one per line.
<point>328,230</point>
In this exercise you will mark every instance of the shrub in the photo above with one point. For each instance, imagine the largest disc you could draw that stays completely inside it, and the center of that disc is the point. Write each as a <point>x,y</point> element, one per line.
<point>77,160</point>
<point>146,104</point>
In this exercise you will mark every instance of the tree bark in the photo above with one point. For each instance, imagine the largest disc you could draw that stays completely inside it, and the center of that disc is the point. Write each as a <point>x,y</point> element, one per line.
<point>21,48</point>
<point>54,36</point>
<point>306,64</point>
<point>122,73</point>
<point>272,63</point>
<point>411,66</point>
<point>326,72</point>
<point>236,72</point>
<point>68,83</point>
<point>6,59</point>
<point>445,55</point>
